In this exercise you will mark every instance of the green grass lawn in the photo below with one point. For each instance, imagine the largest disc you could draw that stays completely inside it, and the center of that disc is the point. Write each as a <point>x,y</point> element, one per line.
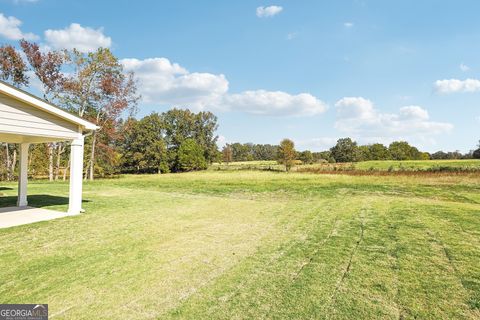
<point>251,245</point>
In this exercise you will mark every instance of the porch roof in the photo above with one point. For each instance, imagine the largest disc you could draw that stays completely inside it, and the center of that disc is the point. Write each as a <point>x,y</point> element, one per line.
<point>27,118</point>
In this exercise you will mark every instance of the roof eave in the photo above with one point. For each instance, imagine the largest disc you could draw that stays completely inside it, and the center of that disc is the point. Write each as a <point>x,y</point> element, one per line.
<point>44,105</point>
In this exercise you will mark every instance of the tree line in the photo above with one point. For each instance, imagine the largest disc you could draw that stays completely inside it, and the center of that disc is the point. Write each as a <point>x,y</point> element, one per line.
<point>249,152</point>
<point>345,150</point>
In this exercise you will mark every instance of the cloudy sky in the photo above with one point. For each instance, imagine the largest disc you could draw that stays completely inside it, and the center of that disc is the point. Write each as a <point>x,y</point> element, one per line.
<point>309,70</point>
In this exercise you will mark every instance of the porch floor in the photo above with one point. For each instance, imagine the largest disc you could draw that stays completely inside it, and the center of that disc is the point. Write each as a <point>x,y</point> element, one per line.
<point>15,216</point>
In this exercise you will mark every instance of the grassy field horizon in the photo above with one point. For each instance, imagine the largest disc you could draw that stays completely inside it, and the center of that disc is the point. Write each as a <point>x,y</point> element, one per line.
<point>373,165</point>
<point>251,244</point>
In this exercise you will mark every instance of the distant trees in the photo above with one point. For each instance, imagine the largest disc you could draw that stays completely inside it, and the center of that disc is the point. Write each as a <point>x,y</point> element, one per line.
<point>250,151</point>
<point>401,150</point>
<point>264,151</point>
<point>440,155</point>
<point>306,157</point>
<point>476,153</point>
<point>323,156</point>
<point>346,150</point>
<point>378,151</point>
<point>287,153</point>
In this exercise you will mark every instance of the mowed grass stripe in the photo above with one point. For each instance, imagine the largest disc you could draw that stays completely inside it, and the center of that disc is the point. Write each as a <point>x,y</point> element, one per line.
<point>429,288</point>
<point>457,235</point>
<point>300,296</point>
<point>284,280</point>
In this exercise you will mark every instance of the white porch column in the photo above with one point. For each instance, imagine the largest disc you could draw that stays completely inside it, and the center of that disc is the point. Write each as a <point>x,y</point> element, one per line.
<point>76,176</point>
<point>23,175</point>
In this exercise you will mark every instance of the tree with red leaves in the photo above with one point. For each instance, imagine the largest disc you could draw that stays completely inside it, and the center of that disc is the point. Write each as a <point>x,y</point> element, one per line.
<point>47,66</point>
<point>12,67</point>
<point>13,70</point>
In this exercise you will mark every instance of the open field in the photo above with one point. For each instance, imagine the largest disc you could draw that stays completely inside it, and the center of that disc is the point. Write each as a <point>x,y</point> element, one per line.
<point>470,165</point>
<point>248,165</point>
<point>418,164</point>
<point>251,244</point>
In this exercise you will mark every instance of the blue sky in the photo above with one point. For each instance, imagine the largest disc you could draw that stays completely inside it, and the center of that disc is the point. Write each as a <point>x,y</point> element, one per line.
<point>312,71</point>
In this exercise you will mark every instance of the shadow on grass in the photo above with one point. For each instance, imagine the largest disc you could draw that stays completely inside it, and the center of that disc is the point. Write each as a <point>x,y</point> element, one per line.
<point>5,188</point>
<point>36,200</point>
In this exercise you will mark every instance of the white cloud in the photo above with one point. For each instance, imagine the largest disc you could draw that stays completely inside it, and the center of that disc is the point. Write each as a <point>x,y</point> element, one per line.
<point>221,141</point>
<point>84,39</point>
<point>277,103</point>
<point>413,113</point>
<point>169,84</point>
<point>454,85</point>
<point>270,11</point>
<point>24,1</point>
<point>355,108</point>
<point>358,117</point>
<point>348,25</point>
<point>166,83</point>
<point>292,35</point>
<point>10,29</point>
<point>464,67</point>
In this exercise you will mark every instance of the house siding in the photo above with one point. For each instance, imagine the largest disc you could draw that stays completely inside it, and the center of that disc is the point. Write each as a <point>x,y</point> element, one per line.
<point>17,117</point>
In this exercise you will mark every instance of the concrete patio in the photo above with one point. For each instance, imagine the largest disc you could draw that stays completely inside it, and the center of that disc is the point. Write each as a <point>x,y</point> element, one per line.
<point>16,216</point>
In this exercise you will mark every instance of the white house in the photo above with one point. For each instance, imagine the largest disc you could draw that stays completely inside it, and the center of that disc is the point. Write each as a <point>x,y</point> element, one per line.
<point>27,119</point>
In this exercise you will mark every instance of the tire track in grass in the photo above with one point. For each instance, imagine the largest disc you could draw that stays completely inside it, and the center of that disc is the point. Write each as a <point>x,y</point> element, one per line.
<point>262,270</point>
<point>333,298</point>
<point>396,266</point>
<point>315,252</point>
<point>289,284</point>
<point>448,256</point>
